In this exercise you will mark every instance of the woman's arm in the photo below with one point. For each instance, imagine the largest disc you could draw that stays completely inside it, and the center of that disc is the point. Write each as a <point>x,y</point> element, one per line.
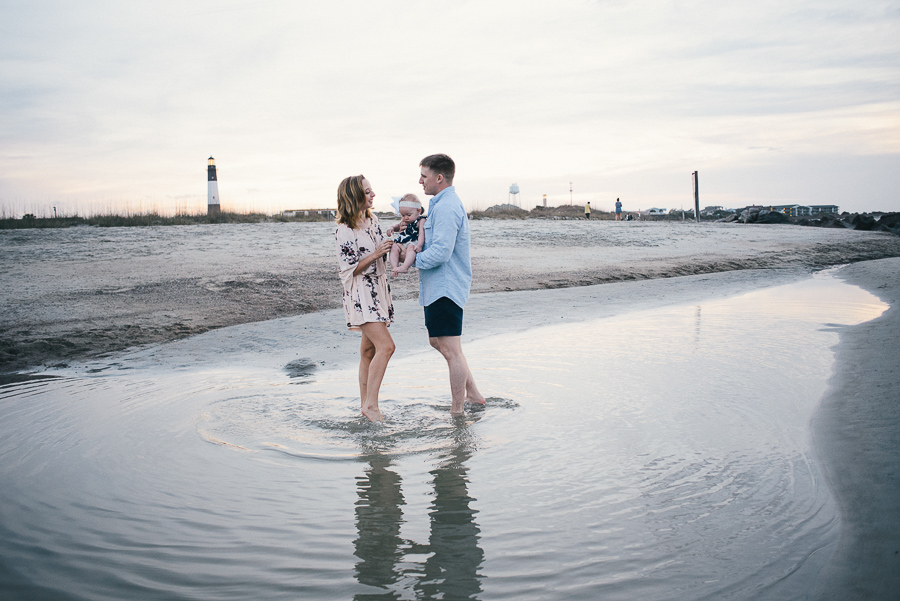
<point>420,243</point>
<point>445,227</point>
<point>382,249</point>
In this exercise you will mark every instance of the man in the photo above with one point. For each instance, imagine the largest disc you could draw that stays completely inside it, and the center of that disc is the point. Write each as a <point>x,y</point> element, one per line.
<point>587,211</point>
<point>445,275</point>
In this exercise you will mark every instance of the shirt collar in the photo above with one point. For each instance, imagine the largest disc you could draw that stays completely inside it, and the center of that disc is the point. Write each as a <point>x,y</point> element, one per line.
<point>437,197</point>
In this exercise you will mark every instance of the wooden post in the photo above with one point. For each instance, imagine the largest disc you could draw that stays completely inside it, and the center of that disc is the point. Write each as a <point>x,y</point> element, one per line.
<point>696,197</point>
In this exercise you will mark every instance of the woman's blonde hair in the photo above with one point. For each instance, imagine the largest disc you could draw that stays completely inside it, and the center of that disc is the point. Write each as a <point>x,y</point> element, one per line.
<point>351,201</point>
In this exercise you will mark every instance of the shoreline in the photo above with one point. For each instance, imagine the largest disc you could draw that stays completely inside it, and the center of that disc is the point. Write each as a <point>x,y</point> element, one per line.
<point>110,291</point>
<point>856,432</point>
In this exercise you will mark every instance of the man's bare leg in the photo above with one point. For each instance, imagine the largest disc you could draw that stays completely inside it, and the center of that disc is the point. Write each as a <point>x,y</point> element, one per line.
<point>462,385</point>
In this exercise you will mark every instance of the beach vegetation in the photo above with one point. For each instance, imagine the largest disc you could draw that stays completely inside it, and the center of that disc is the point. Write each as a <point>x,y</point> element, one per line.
<point>30,221</point>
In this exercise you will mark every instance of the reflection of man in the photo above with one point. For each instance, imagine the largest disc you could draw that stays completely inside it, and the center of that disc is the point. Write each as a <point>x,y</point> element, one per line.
<point>445,275</point>
<point>451,571</point>
<point>454,557</point>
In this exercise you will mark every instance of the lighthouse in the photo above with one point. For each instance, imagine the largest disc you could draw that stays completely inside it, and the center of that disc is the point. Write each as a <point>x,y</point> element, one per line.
<point>212,188</point>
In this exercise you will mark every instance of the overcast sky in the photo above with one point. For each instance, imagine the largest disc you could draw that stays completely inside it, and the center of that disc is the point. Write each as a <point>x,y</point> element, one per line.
<point>117,105</point>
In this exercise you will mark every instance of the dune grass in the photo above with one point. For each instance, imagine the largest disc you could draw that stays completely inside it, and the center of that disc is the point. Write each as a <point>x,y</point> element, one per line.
<point>30,221</point>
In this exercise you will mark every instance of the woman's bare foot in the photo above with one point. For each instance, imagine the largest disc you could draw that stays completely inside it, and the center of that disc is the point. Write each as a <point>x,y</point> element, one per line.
<point>478,400</point>
<point>395,273</point>
<point>373,414</point>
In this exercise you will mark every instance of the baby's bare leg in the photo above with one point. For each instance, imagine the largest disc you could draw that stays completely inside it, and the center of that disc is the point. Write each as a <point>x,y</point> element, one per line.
<point>408,260</point>
<point>395,258</point>
<point>397,261</point>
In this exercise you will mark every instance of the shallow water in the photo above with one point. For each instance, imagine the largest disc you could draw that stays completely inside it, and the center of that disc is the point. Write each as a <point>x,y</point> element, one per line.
<point>663,454</point>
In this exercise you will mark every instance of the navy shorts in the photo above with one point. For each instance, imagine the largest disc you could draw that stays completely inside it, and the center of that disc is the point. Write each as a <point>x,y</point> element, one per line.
<point>443,317</point>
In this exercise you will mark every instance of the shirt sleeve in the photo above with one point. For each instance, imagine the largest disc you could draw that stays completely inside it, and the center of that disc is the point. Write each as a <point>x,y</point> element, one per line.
<point>441,239</point>
<point>348,253</point>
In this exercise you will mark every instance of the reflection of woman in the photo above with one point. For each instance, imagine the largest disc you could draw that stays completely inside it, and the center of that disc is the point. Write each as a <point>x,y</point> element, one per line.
<point>378,520</point>
<point>367,295</point>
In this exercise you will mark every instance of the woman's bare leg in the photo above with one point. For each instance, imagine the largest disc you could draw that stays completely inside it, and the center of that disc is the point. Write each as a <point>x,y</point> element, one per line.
<point>375,351</point>
<point>366,354</point>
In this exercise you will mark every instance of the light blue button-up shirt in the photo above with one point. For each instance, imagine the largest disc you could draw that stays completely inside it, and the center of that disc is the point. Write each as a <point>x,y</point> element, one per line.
<point>445,267</point>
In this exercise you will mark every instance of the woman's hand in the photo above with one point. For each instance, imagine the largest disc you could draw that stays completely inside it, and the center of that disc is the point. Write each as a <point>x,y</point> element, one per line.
<point>380,250</point>
<point>384,248</point>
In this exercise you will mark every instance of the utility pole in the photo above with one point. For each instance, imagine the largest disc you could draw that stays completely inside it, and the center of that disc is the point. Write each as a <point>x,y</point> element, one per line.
<point>570,194</point>
<point>696,197</point>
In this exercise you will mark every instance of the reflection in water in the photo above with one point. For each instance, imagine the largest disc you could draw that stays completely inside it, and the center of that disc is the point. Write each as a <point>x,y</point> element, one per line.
<point>454,557</point>
<point>378,519</point>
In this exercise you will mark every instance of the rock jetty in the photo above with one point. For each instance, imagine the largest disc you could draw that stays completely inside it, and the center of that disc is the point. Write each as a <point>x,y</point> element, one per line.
<point>875,222</point>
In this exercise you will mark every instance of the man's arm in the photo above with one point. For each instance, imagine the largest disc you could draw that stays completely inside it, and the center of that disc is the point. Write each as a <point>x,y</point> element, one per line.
<point>443,239</point>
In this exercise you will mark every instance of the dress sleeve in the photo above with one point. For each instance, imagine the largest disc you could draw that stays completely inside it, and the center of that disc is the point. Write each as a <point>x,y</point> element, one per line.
<point>348,253</point>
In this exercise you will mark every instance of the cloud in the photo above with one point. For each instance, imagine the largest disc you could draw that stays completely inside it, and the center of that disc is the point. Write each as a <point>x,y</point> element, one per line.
<point>126,101</point>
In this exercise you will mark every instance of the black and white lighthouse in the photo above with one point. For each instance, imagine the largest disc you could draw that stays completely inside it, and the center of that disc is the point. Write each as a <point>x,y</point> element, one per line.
<point>212,196</point>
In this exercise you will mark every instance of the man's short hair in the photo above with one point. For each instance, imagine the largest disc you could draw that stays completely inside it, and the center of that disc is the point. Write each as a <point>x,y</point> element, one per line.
<point>440,163</point>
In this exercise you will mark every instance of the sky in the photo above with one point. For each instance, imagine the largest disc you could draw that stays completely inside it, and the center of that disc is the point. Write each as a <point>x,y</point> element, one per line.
<point>116,106</point>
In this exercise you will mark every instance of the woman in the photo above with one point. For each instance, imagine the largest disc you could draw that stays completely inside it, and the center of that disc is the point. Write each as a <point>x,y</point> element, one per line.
<point>367,295</point>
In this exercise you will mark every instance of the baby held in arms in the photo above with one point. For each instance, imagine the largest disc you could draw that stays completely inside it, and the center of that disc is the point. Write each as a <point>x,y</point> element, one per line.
<point>410,234</point>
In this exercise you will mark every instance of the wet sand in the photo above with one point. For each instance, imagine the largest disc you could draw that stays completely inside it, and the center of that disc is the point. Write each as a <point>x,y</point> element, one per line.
<point>77,294</point>
<point>857,434</point>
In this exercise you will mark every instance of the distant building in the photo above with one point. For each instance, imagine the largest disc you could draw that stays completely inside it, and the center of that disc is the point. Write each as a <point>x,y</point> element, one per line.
<point>655,211</point>
<point>711,210</point>
<point>805,211</point>
<point>791,210</point>
<point>824,209</point>
<point>308,212</point>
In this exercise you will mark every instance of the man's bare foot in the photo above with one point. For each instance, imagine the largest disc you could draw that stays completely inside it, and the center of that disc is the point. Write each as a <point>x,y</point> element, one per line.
<point>373,414</point>
<point>401,270</point>
<point>476,400</point>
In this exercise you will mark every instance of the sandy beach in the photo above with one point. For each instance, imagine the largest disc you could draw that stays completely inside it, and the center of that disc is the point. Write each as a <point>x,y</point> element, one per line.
<point>80,296</point>
<point>84,292</point>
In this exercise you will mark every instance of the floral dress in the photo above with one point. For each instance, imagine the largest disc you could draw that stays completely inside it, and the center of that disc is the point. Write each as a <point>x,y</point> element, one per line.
<point>367,296</point>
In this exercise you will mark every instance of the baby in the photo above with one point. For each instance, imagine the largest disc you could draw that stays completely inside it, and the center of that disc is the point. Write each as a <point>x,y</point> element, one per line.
<point>410,234</point>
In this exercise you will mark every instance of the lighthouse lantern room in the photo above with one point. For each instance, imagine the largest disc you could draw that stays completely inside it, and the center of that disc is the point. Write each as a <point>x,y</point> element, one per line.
<point>212,188</point>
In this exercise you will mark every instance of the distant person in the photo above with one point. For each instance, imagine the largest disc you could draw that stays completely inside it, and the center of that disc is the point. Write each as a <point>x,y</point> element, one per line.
<point>445,275</point>
<point>618,209</point>
<point>587,211</point>
<point>410,234</point>
<point>361,247</point>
